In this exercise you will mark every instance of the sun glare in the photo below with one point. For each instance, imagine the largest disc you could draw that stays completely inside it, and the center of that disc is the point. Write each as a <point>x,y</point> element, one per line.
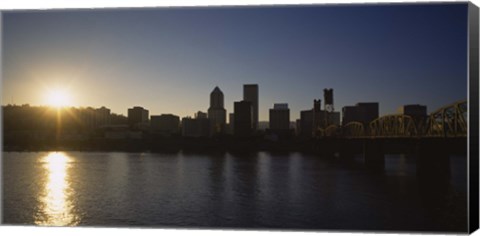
<point>58,98</point>
<point>57,208</point>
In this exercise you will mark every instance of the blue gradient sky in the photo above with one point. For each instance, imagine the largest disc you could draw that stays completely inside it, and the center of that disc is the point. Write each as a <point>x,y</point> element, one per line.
<point>169,60</point>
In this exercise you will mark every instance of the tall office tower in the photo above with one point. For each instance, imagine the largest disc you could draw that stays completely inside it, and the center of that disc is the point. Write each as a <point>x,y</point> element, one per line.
<point>250,94</point>
<point>243,119</point>
<point>217,113</point>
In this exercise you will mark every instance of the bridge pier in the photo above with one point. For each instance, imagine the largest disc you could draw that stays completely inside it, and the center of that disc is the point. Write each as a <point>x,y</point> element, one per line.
<point>433,158</point>
<point>373,154</point>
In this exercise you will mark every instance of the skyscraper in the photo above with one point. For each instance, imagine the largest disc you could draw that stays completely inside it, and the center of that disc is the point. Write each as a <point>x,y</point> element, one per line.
<point>216,98</point>
<point>217,113</point>
<point>250,94</point>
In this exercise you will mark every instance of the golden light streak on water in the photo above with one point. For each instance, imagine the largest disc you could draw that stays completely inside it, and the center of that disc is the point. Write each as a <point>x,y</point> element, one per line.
<point>56,208</point>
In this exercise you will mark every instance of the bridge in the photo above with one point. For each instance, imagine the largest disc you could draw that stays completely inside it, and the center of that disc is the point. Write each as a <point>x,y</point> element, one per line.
<point>431,139</point>
<point>447,122</point>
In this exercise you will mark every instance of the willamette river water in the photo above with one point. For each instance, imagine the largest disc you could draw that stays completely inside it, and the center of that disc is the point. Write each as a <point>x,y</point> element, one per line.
<point>260,190</point>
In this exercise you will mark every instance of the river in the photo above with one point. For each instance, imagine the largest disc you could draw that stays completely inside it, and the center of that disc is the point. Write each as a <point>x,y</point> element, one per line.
<point>223,190</point>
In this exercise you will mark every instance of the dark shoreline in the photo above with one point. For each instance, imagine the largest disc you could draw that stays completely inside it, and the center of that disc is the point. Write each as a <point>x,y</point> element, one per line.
<point>167,145</point>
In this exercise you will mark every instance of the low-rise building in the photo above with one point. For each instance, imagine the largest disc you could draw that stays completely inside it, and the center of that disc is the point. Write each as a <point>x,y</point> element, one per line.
<point>279,117</point>
<point>196,127</point>
<point>166,124</point>
<point>364,113</point>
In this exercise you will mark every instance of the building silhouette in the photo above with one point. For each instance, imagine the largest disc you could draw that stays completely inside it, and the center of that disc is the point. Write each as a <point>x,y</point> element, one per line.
<point>417,112</point>
<point>86,117</point>
<point>298,124</point>
<point>318,116</point>
<point>350,114</point>
<point>413,110</point>
<point>102,116</point>
<point>306,123</point>
<point>91,118</point>
<point>279,117</point>
<point>329,115</point>
<point>166,124</point>
<point>328,97</point>
<point>279,123</point>
<point>313,121</point>
<point>196,127</point>
<point>231,118</point>
<point>243,119</point>
<point>137,115</point>
<point>250,94</point>
<point>334,118</point>
<point>262,125</point>
<point>217,113</point>
<point>364,113</point>
<point>200,115</point>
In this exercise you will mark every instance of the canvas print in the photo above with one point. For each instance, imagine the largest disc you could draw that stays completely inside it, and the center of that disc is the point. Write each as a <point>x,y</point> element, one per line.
<point>301,117</point>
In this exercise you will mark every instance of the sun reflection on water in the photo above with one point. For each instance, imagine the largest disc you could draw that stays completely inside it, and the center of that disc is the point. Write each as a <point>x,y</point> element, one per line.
<point>56,208</point>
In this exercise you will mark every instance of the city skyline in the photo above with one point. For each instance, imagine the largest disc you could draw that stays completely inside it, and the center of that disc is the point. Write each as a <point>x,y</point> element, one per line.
<point>169,60</point>
<point>321,104</point>
<point>314,117</point>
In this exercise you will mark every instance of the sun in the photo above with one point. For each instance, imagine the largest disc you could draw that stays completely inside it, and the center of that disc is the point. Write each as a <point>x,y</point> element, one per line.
<point>58,98</point>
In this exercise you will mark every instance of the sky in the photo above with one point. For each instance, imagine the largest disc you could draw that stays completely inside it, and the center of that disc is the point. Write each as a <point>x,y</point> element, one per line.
<point>168,60</point>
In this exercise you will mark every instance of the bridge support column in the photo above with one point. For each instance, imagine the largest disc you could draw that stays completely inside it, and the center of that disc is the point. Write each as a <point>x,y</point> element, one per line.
<point>373,154</point>
<point>433,159</point>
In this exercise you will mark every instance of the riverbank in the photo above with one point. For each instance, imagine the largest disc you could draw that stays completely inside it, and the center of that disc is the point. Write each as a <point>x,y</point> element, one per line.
<point>166,145</point>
